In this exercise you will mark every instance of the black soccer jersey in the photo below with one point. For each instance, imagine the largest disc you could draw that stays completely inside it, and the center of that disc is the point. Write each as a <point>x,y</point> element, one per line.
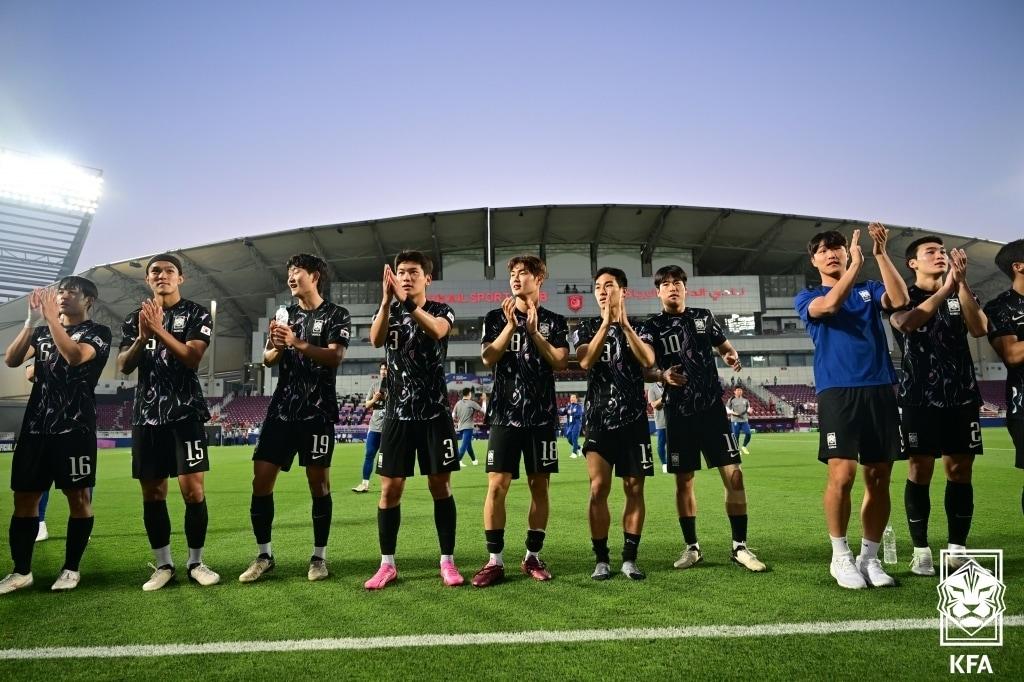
<point>305,389</point>
<point>1006,318</point>
<point>688,339</point>
<point>615,383</point>
<point>937,366</point>
<point>167,390</point>
<point>524,383</point>
<point>415,384</point>
<point>63,397</point>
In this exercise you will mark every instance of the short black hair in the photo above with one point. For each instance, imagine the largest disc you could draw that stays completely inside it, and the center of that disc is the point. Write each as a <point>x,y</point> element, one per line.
<point>830,238</point>
<point>166,257</point>
<point>619,275</point>
<point>86,286</point>
<point>311,264</point>
<point>911,251</point>
<point>1008,255</point>
<point>418,257</point>
<point>467,391</point>
<point>669,272</point>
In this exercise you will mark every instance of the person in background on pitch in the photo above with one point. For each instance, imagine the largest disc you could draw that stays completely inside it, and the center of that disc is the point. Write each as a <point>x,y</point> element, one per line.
<point>854,376</point>
<point>58,436</point>
<point>308,349</point>
<point>166,339</point>
<point>573,424</point>
<point>656,397</point>
<point>374,402</point>
<point>462,415</point>
<point>939,393</point>
<point>1006,334</point>
<point>738,408</point>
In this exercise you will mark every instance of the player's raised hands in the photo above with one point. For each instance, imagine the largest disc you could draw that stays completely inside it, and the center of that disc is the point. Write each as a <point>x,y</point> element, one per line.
<point>856,253</point>
<point>151,318</point>
<point>879,236</point>
<point>531,317</point>
<point>508,306</point>
<point>622,318</point>
<point>48,304</point>
<point>396,286</point>
<point>34,310</point>
<point>674,376</point>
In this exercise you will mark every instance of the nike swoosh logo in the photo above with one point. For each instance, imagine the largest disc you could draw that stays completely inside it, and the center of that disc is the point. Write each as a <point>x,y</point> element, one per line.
<point>80,478</point>
<point>1017,318</point>
<point>915,520</point>
<point>317,457</point>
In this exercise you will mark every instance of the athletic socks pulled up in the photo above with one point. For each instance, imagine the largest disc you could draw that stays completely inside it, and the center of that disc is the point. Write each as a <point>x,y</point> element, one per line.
<point>601,550</point>
<point>630,546</point>
<point>388,522</point>
<point>689,526</point>
<point>22,538</point>
<point>919,507</point>
<point>444,520</point>
<point>261,513</point>
<point>322,511</point>
<point>197,519</point>
<point>959,504</point>
<point>79,531</point>
<point>158,524</point>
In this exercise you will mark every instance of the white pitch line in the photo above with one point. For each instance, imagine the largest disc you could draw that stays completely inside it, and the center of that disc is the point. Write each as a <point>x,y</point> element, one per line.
<point>472,639</point>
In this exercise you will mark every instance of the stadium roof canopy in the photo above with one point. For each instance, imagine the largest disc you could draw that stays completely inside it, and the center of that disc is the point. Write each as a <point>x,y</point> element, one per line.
<point>241,273</point>
<point>46,206</point>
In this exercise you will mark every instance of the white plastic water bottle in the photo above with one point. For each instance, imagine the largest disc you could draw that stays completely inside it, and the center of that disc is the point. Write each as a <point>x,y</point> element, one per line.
<point>889,545</point>
<point>281,316</point>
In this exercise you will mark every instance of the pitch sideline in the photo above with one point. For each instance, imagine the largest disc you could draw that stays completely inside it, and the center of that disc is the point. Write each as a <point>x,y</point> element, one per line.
<point>470,639</point>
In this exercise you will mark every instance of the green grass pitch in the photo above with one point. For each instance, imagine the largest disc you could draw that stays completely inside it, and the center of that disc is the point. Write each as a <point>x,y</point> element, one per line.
<point>784,484</point>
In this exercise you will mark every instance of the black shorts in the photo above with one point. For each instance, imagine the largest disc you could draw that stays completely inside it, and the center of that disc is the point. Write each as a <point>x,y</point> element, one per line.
<point>431,442</point>
<point>537,445</point>
<point>862,421</point>
<point>1016,429</point>
<point>169,450</point>
<point>280,440</point>
<point>67,460</point>
<point>627,448</point>
<point>937,431</point>
<point>708,432</point>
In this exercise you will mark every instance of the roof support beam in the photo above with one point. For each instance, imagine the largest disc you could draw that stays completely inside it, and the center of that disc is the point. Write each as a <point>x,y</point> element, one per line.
<point>764,242</point>
<point>263,263</point>
<point>132,287</point>
<point>709,236</point>
<point>318,249</point>
<point>544,234</point>
<point>438,261</point>
<point>599,228</point>
<point>241,319</point>
<point>653,235</point>
<point>380,245</point>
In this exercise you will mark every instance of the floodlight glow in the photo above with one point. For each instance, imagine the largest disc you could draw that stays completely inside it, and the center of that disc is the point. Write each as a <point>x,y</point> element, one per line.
<point>51,183</point>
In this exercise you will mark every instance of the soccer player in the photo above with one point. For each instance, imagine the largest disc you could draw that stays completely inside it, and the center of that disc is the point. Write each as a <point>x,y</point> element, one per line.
<point>685,342</point>
<point>58,436</point>
<point>524,344</point>
<point>165,339</point>
<point>374,402</point>
<point>303,411</point>
<point>618,437</point>
<point>938,392</point>
<point>462,415</point>
<point>854,377</point>
<point>417,426</point>
<point>1006,334</point>
<point>738,408</point>
<point>573,424</point>
<point>656,396</point>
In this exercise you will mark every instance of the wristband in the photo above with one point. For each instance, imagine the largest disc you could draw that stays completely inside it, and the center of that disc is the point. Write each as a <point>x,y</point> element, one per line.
<point>28,322</point>
<point>409,305</point>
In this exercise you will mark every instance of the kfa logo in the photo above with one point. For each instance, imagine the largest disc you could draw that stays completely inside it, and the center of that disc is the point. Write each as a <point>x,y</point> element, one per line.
<point>544,328</point>
<point>701,324</point>
<point>865,295</point>
<point>830,439</point>
<point>912,439</point>
<point>954,306</point>
<point>675,459</point>
<point>970,663</point>
<point>490,457</point>
<point>971,598</point>
<point>318,326</point>
<point>179,323</point>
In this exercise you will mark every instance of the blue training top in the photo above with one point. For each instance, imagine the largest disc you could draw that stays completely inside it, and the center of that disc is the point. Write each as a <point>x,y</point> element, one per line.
<point>850,349</point>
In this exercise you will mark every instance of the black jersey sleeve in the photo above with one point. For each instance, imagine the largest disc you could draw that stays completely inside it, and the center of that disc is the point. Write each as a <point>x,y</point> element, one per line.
<point>715,331</point>
<point>494,322</point>
<point>130,329</point>
<point>1000,319</point>
<point>200,327</point>
<point>99,338</point>
<point>340,328</point>
<point>559,332</point>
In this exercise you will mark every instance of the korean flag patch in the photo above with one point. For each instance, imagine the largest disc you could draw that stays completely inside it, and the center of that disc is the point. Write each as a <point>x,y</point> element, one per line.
<point>206,331</point>
<point>76,336</point>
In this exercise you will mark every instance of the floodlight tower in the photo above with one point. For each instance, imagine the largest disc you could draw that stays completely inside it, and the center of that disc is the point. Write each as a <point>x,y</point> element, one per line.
<point>46,207</point>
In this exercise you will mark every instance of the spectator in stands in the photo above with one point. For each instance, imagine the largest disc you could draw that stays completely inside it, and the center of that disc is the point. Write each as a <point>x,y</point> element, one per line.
<point>856,402</point>
<point>462,415</point>
<point>1006,334</point>
<point>374,401</point>
<point>939,392</point>
<point>573,424</point>
<point>656,396</point>
<point>739,413</point>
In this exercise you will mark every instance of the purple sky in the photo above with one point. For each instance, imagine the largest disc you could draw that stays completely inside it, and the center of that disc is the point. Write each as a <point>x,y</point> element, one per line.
<point>214,122</point>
